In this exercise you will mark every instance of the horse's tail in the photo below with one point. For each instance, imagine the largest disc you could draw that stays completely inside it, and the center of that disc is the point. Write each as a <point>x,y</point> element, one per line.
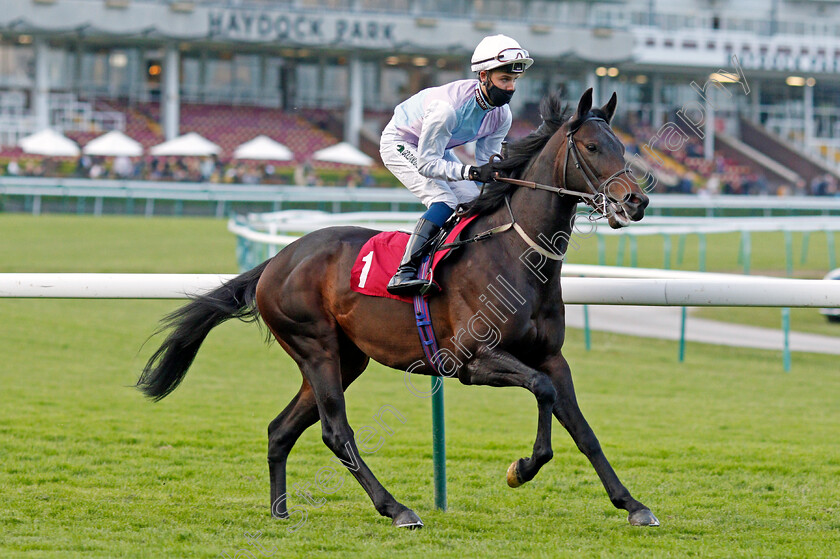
<point>190,325</point>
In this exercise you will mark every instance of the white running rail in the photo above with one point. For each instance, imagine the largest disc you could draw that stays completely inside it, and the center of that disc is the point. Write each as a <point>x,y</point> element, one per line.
<point>695,291</point>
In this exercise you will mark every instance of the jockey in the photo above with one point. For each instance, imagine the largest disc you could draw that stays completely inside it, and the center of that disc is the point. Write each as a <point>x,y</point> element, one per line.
<point>417,143</point>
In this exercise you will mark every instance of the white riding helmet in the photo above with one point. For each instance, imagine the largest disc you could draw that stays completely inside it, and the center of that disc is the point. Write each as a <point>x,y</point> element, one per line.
<point>496,51</point>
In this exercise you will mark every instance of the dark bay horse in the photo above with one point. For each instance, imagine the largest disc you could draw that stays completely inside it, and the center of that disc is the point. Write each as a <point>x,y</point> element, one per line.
<point>501,285</point>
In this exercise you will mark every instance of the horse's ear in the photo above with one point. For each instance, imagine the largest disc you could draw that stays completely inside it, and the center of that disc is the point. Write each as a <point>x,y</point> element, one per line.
<point>609,108</point>
<point>585,103</point>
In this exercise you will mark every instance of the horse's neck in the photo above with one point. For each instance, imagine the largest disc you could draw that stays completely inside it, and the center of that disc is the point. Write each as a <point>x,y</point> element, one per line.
<point>546,219</point>
<point>545,216</point>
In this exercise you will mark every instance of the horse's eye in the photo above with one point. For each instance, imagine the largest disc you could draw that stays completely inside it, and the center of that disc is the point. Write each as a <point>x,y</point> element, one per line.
<point>591,147</point>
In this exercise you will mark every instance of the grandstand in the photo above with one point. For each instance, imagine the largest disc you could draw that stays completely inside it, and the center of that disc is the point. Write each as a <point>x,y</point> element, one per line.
<point>756,81</point>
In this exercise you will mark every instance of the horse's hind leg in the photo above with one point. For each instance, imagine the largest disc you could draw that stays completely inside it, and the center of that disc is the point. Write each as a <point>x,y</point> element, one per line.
<point>568,413</point>
<point>299,415</point>
<point>283,432</point>
<point>318,358</point>
<point>492,367</point>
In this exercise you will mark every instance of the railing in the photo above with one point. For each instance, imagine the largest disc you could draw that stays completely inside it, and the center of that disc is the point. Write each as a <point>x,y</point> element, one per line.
<point>261,235</point>
<point>697,290</point>
<point>606,13</point>
<point>548,11</point>
<point>33,191</point>
<point>66,113</point>
<point>633,287</point>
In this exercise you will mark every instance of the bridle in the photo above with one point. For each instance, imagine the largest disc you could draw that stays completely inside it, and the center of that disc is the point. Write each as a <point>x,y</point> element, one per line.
<point>595,198</point>
<point>602,206</point>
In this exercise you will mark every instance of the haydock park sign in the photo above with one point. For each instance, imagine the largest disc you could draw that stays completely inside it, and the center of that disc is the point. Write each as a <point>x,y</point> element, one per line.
<point>310,29</point>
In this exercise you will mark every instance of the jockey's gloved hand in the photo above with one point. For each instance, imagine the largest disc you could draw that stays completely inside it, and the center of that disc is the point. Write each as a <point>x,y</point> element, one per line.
<point>484,173</point>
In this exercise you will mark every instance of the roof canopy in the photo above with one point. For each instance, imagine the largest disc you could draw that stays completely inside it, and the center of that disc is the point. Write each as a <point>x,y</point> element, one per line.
<point>188,144</point>
<point>114,143</point>
<point>343,153</point>
<point>49,142</point>
<point>263,147</point>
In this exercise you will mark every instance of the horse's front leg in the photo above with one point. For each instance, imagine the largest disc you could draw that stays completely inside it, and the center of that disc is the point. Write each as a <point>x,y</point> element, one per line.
<point>493,367</point>
<point>568,412</point>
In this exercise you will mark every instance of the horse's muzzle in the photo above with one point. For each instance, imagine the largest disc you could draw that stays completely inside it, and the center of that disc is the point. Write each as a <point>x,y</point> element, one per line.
<point>630,208</point>
<point>634,204</point>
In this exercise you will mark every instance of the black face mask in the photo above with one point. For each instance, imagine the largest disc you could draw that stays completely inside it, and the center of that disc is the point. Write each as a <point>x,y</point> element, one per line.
<point>497,95</point>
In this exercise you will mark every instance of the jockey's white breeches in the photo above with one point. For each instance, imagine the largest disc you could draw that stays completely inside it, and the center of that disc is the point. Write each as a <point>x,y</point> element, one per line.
<point>400,158</point>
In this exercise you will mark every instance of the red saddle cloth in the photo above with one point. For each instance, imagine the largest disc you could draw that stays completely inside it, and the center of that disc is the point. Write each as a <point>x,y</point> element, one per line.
<point>380,257</point>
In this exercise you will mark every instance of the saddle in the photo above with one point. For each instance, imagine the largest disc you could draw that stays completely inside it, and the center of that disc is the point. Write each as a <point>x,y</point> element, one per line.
<point>380,257</point>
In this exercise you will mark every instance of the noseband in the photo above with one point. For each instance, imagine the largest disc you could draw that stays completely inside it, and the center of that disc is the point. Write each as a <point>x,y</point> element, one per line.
<point>595,198</point>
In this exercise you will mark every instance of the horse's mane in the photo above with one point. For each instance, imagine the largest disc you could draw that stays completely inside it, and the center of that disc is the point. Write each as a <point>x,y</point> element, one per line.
<point>520,153</point>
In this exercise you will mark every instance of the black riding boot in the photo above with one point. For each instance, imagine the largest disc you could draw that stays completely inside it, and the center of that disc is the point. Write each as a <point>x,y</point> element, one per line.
<point>405,281</point>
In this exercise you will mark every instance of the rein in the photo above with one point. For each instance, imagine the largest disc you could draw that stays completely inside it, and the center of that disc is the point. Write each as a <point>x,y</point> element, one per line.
<point>501,229</point>
<point>597,200</point>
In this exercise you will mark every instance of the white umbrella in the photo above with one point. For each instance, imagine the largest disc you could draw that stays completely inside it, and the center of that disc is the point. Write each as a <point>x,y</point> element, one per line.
<point>49,142</point>
<point>188,144</point>
<point>114,144</point>
<point>263,147</point>
<point>343,153</point>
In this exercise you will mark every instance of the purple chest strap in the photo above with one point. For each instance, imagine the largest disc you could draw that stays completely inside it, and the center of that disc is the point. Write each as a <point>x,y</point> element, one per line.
<point>424,322</point>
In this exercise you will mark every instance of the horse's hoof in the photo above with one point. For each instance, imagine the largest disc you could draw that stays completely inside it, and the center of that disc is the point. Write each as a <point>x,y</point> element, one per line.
<point>643,517</point>
<point>408,519</point>
<point>513,478</point>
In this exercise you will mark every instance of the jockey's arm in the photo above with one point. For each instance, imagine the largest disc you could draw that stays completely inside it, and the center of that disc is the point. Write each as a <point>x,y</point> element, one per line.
<point>489,145</point>
<point>438,123</point>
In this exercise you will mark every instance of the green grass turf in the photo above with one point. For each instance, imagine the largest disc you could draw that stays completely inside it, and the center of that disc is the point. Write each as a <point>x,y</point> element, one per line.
<point>722,253</point>
<point>113,244</point>
<point>737,458</point>
<point>801,320</point>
